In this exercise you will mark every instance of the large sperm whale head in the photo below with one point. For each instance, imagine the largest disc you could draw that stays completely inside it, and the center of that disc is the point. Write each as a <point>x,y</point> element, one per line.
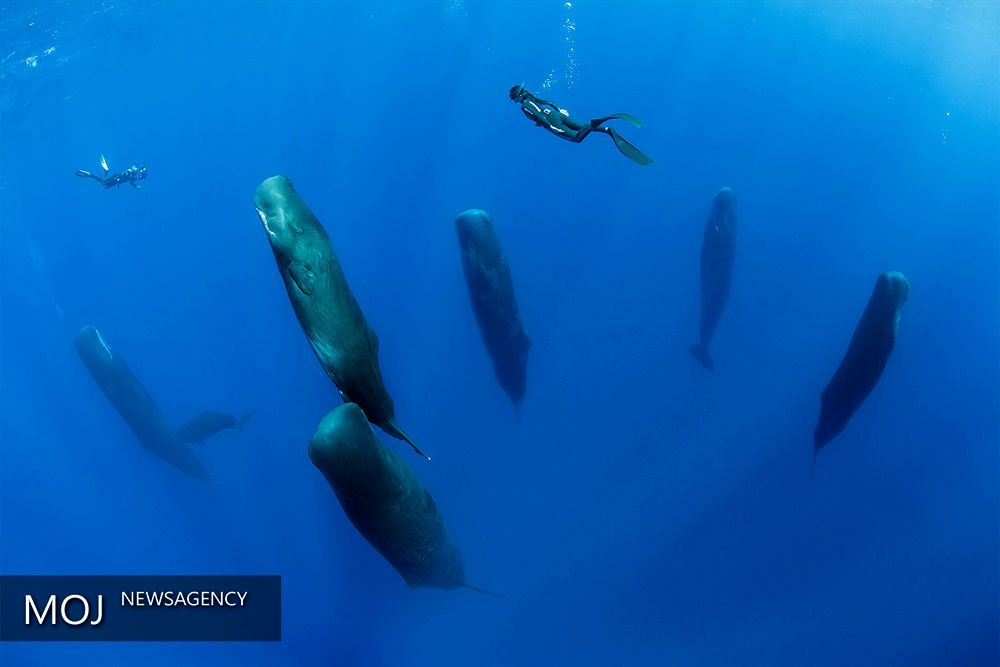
<point>892,289</point>
<point>94,352</point>
<point>278,204</point>
<point>725,197</point>
<point>90,344</point>
<point>724,208</point>
<point>476,232</point>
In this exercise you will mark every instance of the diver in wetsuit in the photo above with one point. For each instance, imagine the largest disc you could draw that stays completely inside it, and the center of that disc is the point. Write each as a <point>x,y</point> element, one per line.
<point>558,122</point>
<point>131,175</point>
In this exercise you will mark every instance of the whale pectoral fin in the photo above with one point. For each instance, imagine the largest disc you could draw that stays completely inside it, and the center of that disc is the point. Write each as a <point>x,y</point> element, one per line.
<point>392,428</point>
<point>303,276</point>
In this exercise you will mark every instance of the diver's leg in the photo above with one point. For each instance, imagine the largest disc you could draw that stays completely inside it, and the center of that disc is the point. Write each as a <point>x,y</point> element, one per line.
<point>627,149</point>
<point>580,135</point>
<point>87,174</point>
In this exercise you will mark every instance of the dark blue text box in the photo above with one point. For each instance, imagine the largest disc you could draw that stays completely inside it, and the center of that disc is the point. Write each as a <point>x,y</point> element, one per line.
<point>133,608</point>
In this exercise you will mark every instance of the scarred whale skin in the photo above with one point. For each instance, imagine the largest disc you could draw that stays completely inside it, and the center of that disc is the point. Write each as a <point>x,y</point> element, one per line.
<point>491,293</point>
<point>133,403</point>
<point>385,501</point>
<point>717,254</point>
<point>341,337</point>
<point>866,357</point>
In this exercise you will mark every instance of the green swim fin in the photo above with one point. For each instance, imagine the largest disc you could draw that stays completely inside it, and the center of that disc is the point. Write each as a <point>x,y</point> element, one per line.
<point>628,118</point>
<point>628,150</point>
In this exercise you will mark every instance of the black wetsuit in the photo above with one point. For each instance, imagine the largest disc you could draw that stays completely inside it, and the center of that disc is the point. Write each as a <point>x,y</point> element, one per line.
<point>549,115</point>
<point>556,120</point>
<point>130,175</point>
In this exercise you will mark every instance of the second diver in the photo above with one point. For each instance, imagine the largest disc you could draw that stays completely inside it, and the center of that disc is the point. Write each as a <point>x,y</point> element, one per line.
<point>131,175</point>
<point>556,120</point>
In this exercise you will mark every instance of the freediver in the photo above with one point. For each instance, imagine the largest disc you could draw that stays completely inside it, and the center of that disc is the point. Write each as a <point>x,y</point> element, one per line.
<point>131,175</point>
<point>558,122</point>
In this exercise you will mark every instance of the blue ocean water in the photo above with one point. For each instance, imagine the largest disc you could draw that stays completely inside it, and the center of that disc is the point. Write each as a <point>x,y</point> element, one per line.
<point>641,511</point>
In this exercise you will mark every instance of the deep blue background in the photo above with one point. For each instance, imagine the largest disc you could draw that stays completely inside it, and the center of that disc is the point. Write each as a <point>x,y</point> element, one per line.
<point>644,511</point>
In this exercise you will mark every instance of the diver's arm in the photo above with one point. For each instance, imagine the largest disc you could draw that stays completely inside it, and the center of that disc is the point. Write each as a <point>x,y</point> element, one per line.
<point>547,103</point>
<point>564,118</point>
<point>534,112</point>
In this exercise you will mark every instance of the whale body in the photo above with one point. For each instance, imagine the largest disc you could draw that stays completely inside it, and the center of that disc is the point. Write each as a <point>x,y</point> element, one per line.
<point>866,358</point>
<point>717,253</point>
<point>385,501</point>
<point>491,293</point>
<point>133,402</point>
<point>344,342</point>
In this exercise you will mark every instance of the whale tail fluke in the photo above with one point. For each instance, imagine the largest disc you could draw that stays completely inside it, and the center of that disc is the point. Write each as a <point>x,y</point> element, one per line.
<point>204,477</point>
<point>483,591</point>
<point>700,353</point>
<point>396,432</point>
<point>243,420</point>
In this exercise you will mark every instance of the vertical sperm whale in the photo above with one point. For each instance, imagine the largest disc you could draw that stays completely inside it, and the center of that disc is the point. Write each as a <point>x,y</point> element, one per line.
<point>491,292</point>
<point>385,501</point>
<point>130,398</point>
<point>341,337</point>
<point>866,357</point>
<point>717,252</point>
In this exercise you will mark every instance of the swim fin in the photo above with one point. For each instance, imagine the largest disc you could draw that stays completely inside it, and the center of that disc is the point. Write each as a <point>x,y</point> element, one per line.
<point>628,150</point>
<point>627,117</point>
<point>104,163</point>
